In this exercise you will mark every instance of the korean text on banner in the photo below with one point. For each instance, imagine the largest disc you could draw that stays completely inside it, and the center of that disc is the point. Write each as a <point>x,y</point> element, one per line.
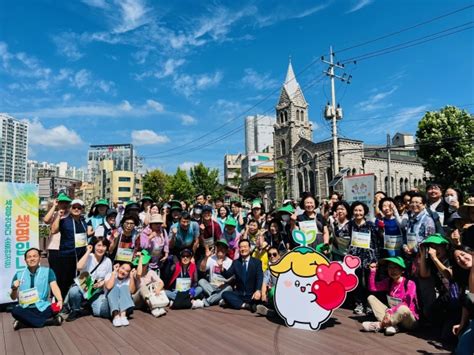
<point>18,230</point>
<point>360,188</point>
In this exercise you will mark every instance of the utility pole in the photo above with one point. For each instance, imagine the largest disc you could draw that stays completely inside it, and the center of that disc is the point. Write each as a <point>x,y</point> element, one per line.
<point>333,112</point>
<point>389,177</point>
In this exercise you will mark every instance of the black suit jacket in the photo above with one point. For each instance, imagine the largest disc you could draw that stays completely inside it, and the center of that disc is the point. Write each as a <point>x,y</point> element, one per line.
<point>252,282</point>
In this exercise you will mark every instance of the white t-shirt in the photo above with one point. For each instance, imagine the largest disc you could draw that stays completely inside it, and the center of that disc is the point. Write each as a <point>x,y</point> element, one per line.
<point>103,271</point>
<point>215,277</point>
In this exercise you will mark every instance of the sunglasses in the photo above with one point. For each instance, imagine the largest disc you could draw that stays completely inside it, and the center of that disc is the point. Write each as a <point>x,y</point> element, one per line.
<point>76,207</point>
<point>272,255</point>
<point>186,256</point>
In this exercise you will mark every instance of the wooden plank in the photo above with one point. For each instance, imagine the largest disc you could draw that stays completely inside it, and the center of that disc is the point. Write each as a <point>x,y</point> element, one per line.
<point>104,345</point>
<point>64,342</point>
<point>79,333</point>
<point>3,350</point>
<point>46,341</point>
<point>12,338</point>
<point>29,341</point>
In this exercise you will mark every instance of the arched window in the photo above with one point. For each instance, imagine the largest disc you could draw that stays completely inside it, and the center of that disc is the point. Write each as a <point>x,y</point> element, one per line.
<point>300,184</point>
<point>283,147</point>
<point>286,116</point>
<point>297,115</point>
<point>354,171</point>
<point>375,184</point>
<point>386,186</point>
<point>312,184</point>
<point>402,188</point>
<point>407,186</point>
<point>281,117</point>
<point>302,115</point>
<point>305,179</point>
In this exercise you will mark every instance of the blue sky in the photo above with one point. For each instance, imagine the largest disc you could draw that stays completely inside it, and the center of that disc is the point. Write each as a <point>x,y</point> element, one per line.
<point>161,74</point>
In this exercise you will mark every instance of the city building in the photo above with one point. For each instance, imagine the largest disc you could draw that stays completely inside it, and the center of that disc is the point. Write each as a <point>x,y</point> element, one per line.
<point>14,149</point>
<point>49,185</point>
<point>116,185</point>
<point>258,133</point>
<point>86,193</point>
<point>257,163</point>
<point>307,166</point>
<point>123,156</point>
<point>35,169</point>
<point>233,169</point>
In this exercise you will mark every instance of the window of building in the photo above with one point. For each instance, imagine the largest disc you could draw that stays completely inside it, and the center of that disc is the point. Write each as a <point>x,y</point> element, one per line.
<point>124,179</point>
<point>124,189</point>
<point>283,147</point>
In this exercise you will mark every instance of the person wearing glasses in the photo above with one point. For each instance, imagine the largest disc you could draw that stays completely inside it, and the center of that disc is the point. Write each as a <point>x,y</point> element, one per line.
<point>268,286</point>
<point>184,277</point>
<point>123,245</point>
<point>72,246</point>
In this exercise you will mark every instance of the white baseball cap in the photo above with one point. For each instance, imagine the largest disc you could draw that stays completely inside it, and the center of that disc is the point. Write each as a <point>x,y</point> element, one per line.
<point>77,202</point>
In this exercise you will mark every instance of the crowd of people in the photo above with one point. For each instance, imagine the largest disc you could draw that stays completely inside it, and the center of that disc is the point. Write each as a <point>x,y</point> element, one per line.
<point>416,254</point>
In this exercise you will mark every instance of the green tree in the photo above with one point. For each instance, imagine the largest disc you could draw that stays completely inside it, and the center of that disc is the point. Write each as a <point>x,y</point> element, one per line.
<point>445,140</point>
<point>206,180</point>
<point>180,186</point>
<point>253,189</point>
<point>154,184</point>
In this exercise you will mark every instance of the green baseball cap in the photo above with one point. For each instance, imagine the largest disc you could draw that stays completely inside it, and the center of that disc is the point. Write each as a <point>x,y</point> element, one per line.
<point>230,221</point>
<point>102,202</point>
<point>398,260</point>
<point>62,197</point>
<point>223,242</point>
<point>146,198</point>
<point>435,239</point>
<point>286,209</point>
<point>146,257</point>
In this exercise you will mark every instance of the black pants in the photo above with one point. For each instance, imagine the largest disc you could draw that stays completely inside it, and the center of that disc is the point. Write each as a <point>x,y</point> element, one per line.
<point>64,268</point>
<point>361,292</point>
<point>31,316</point>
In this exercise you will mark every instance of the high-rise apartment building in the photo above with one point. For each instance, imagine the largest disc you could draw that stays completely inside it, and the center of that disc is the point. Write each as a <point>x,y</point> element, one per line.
<point>258,133</point>
<point>14,149</point>
<point>123,156</point>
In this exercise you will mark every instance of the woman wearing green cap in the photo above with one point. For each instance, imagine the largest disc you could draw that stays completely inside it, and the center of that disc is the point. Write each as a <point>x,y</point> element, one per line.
<point>97,213</point>
<point>439,294</point>
<point>401,299</point>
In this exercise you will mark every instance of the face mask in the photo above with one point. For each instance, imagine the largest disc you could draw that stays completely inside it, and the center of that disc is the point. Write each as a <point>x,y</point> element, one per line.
<point>451,199</point>
<point>285,218</point>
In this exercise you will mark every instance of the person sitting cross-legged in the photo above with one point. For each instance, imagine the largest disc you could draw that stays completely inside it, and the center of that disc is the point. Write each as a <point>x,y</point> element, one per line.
<point>31,287</point>
<point>248,279</point>
<point>217,284</point>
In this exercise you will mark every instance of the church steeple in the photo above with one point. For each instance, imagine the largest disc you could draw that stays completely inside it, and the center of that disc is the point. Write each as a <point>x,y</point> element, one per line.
<point>291,85</point>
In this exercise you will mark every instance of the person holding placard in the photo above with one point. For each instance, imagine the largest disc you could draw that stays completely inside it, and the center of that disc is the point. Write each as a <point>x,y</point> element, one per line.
<point>154,239</point>
<point>123,246</point>
<point>389,227</point>
<point>184,277</point>
<point>120,285</point>
<point>341,231</point>
<point>311,222</point>
<point>72,245</point>
<point>31,287</point>
<point>94,268</point>
<point>366,245</point>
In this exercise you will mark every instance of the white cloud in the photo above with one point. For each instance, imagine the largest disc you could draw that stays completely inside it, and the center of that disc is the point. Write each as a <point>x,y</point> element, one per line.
<point>58,136</point>
<point>258,81</point>
<point>311,10</point>
<point>187,165</point>
<point>133,14</point>
<point>67,46</point>
<point>147,137</point>
<point>229,109</point>
<point>125,106</point>
<point>101,4</point>
<point>82,78</point>
<point>190,84</point>
<point>376,101</point>
<point>359,5</point>
<point>169,67</point>
<point>155,105</point>
<point>188,120</point>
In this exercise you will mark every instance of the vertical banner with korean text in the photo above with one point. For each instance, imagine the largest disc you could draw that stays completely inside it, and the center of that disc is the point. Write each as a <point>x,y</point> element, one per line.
<point>18,230</point>
<point>360,188</point>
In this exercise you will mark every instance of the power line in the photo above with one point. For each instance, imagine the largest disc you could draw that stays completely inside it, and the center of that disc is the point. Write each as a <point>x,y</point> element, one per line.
<point>406,29</point>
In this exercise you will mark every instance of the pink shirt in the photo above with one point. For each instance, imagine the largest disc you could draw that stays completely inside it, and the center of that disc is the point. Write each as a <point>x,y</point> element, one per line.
<point>396,290</point>
<point>151,276</point>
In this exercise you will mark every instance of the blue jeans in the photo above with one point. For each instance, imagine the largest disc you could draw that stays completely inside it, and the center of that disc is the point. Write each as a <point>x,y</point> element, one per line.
<point>120,300</point>
<point>99,304</point>
<point>172,294</point>
<point>466,341</point>
<point>31,316</point>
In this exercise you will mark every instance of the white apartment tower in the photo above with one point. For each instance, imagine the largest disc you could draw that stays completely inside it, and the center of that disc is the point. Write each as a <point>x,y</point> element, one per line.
<point>14,149</point>
<point>258,133</point>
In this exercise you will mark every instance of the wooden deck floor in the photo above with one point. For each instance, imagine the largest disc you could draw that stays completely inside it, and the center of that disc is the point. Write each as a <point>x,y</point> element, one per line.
<point>206,331</point>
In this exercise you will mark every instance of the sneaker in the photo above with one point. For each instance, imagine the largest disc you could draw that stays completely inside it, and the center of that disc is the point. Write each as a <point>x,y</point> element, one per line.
<point>369,311</point>
<point>359,309</point>
<point>124,321</point>
<point>73,315</point>
<point>17,325</point>
<point>158,312</point>
<point>262,310</point>
<point>391,330</point>
<point>371,326</point>
<point>198,304</point>
<point>117,322</point>
<point>58,320</point>
<point>171,304</point>
<point>222,303</point>
<point>245,306</point>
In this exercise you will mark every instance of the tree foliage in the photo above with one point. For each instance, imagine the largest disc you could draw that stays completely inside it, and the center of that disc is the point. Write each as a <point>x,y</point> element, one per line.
<point>206,180</point>
<point>253,189</point>
<point>445,140</point>
<point>180,186</point>
<point>154,184</point>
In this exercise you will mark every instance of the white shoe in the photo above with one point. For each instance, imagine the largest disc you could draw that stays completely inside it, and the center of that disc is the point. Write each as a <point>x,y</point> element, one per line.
<point>198,304</point>
<point>124,321</point>
<point>262,310</point>
<point>158,312</point>
<point>117,322</point>
<point>222,303</point>
<point>391,330</point>
<point>371,327</point>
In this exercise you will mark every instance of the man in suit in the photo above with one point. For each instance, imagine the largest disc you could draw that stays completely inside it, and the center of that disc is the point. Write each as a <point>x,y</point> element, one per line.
<point>248,275</point>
